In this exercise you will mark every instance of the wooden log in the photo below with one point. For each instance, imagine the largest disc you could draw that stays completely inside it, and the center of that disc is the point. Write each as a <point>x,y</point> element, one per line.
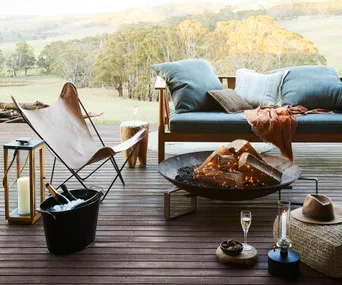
<point>257,172</point>
<point>6,113</point>
<point>219,178</point>
<point>10,117</point>
<point>240,146</point>
<point>222,150</point>
<point>18,119</point>
<point>228,162</point>
<point>127,130</point>
<point>92,115</point>
<point>27,106</point>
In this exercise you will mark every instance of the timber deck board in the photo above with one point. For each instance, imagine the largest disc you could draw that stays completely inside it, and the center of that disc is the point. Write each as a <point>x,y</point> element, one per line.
<point>134,243</point>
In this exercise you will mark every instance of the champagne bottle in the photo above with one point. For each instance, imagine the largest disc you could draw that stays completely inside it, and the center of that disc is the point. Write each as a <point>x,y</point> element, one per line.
<point>57,196</point>
<point>67,193</point>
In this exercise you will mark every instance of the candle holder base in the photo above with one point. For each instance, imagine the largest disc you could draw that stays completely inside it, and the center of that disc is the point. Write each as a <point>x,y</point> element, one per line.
<point>286,267</point>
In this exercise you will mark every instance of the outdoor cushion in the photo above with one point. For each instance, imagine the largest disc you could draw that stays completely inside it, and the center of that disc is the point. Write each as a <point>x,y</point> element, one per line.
<point>221,122</point>
<point>259,89</point>
<point>189,81</point>
<point>312,87</point>
<point>230,101</point>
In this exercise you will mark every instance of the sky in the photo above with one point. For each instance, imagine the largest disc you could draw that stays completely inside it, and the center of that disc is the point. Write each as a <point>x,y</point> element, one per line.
<point>40,7</point>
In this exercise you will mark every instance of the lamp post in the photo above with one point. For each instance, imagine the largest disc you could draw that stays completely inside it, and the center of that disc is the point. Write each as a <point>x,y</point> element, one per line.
<point>24,192</point>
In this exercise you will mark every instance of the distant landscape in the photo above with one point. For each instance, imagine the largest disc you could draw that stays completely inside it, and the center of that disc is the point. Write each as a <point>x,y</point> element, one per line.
<point>316,25</point>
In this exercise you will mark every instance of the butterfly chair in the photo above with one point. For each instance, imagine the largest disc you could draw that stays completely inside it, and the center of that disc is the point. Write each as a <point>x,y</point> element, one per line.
<point>66,134</point>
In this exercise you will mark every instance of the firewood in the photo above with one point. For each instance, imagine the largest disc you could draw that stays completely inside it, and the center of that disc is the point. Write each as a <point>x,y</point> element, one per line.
<point>14,120</point>
<point>227,162</point>
<point>219,178</point>
<point>6,114</point>
<point>221,162</point>
<point>257,172</point>
<point>27,106</point>
<point>240,146</point>
<point>213,156</point>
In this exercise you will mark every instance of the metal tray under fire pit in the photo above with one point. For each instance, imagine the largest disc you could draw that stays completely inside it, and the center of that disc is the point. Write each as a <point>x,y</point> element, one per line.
<point>169,167</point>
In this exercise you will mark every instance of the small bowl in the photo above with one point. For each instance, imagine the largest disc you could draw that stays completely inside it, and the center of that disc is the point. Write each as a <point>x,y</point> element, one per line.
<point>232,251</point>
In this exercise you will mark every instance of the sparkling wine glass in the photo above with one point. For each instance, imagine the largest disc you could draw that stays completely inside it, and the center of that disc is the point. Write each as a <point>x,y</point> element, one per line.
<point>134,110</point>
<point>246,219</point>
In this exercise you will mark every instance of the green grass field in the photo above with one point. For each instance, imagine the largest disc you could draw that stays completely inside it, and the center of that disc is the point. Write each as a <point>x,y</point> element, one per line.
<point>96,100</point>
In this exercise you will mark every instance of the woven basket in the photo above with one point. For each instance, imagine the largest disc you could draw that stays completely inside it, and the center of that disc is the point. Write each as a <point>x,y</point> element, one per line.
<point>319,246</point>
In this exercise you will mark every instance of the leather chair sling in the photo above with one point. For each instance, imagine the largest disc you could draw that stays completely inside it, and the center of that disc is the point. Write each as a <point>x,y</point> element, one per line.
<point>66,134</point>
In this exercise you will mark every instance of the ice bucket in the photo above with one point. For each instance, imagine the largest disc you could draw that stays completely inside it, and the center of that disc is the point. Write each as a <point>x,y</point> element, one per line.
<point>72,230</point>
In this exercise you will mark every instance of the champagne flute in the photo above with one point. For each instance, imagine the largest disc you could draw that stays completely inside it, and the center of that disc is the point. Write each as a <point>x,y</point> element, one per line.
<point>135,111</point>
<point>246,219</point>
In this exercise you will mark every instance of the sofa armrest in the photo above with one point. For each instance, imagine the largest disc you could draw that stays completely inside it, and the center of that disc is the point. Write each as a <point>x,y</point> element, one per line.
<point>164,109</point>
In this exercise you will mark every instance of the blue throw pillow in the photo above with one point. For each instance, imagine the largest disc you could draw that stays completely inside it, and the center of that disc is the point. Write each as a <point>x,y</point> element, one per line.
<point>189,81</point>
<point>312,87</point>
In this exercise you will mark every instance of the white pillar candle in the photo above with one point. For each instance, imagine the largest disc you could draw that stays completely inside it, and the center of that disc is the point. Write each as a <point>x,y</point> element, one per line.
<point>23,184</point>
<point>283,225</point>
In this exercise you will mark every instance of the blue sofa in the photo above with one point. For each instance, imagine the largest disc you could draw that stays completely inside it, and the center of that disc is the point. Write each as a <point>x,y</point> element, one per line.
<point>219,126</point>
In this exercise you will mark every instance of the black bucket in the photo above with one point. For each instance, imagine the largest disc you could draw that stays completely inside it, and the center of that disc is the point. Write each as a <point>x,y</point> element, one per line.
<point>72,230</point>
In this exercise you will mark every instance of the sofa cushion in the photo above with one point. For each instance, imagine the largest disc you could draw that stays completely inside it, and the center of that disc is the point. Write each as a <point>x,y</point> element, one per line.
<point>188,81</point>
<point>259,89</point>
<point>221,122</point>
<point>312,87</point>
<point>230,101</point>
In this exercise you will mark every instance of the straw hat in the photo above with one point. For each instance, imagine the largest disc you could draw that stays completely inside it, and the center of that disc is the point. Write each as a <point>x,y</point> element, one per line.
<point>318,209</point>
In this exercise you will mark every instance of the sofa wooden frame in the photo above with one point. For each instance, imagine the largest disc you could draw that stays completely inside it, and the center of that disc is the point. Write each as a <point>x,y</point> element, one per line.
<point>164,135</point>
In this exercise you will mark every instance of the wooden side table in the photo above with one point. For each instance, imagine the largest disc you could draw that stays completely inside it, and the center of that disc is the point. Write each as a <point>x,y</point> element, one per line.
<point>129,129</point>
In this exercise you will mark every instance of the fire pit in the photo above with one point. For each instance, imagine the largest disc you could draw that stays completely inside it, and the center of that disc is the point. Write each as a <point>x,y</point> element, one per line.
<point>169,169</point>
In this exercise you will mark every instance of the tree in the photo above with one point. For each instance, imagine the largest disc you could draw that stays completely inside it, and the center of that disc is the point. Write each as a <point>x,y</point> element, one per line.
<point>26,57</point>
<point>49,56</point>
<point>2,61</point>
<point>257,43</point>
<point>109,68</point>
<point>126,58</point>
<point>189,40</point>
<point>72,60</point>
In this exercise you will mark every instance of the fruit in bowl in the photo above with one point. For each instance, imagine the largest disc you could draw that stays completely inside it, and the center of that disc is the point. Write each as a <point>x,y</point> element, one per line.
<point>231,247</point>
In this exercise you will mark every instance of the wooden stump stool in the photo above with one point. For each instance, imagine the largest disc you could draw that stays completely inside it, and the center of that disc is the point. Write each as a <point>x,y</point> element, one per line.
<point>129,129</point>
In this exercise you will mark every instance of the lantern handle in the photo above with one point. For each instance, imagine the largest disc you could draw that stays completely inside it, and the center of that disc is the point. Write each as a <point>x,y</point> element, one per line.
<point>10,165</point>
<point>40,210</point>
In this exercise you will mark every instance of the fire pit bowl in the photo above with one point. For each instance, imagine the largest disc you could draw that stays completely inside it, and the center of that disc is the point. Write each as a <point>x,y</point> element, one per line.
<point>169,168</point>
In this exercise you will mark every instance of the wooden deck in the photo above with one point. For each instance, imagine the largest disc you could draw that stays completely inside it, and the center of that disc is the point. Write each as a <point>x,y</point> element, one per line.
<point>135,245</point>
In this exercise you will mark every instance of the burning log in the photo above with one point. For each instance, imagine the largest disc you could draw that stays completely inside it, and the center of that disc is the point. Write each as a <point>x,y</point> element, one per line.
<point>222,150</point>
<point>219,178</point>
<point>239,165</point>
<point>240,146</point>
<point>257,172</point>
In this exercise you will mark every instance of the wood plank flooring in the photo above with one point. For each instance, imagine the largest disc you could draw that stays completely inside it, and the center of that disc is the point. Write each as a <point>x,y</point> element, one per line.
<point>136,245</point>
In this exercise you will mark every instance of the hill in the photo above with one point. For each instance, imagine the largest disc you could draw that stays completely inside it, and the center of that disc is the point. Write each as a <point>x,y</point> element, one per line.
<point>39,31</point>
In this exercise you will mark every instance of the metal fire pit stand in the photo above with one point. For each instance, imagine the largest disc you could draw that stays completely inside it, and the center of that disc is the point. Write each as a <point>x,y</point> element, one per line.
<point>193,199</point>
<point>307,178</point>
<point>167,204</point>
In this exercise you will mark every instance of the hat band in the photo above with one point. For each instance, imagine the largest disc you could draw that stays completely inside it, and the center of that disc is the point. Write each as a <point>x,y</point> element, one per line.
<point>319,218</point>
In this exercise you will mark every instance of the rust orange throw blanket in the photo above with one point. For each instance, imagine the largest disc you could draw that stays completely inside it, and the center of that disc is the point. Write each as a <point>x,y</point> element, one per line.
<point>277,125</point>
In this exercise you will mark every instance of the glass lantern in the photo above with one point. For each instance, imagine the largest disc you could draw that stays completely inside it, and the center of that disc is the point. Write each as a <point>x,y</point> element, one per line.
<point>283,241</point>
<point>21,182</point>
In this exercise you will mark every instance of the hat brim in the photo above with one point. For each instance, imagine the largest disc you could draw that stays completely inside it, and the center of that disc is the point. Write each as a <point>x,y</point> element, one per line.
<point>298,214</point>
